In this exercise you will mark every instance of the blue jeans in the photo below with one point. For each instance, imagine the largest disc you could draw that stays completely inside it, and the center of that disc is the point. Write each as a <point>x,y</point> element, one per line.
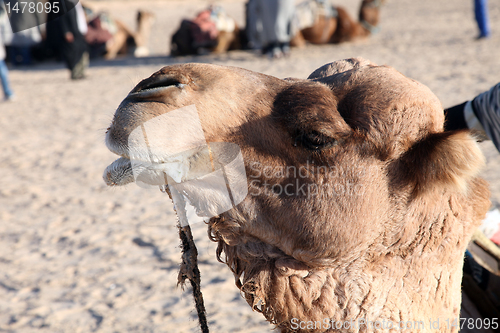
<point>4,77</point>
<point>20,55</point>
<point>481,13</point>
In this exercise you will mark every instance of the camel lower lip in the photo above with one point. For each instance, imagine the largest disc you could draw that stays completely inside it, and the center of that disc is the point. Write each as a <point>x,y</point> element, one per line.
<point>126,170</point>
<point>119,173</point>
<point>123,171</point>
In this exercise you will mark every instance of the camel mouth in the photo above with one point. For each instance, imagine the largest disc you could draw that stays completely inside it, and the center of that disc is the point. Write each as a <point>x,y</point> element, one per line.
<point>124,171</point>
<point>211,177</point>
<point>143,168</point>
<point>171,145</point>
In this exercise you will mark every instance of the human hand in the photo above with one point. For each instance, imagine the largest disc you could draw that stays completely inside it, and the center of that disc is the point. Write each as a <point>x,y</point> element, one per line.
<point>69,37</point>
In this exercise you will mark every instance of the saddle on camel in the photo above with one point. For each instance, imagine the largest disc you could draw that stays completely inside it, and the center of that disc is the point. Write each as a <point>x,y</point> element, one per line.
<point>319,22</point>
<point>316,21</point>
<point>211,31</point>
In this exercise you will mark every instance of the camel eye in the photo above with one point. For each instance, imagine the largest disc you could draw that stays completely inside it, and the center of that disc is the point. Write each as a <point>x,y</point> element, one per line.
<point>316,141</point>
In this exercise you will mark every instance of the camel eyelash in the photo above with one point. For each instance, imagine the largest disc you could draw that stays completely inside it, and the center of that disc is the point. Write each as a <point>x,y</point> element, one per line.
<point>315,141</point>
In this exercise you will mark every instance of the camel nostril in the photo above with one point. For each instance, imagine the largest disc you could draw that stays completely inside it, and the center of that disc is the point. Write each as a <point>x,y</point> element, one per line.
<point>160,83</point>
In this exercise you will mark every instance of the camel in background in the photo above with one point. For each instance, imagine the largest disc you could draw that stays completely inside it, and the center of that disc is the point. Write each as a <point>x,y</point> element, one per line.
<point>319,22</point>
<point>111,37</point>
<point>212,30</point>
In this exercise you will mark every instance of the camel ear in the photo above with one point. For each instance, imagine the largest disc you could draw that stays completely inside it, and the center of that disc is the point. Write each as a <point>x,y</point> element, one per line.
<point>449,159</point>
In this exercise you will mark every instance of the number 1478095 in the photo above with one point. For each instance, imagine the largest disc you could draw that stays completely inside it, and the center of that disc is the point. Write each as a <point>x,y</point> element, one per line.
<point>32,7</point>
<point>473,323</point>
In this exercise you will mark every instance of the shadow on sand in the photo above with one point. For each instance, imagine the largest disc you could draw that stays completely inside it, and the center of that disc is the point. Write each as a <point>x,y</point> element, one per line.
<point>129,61</point>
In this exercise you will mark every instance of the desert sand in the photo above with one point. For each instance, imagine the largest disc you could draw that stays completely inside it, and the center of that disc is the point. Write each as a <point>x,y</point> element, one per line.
<point>78,256</point>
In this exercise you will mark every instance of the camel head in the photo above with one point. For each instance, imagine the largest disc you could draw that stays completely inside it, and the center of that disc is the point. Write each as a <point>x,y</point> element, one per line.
<point>357,205</point>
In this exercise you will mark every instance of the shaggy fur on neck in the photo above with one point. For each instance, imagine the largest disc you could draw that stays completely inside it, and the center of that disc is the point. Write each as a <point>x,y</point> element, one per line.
<point>412,276</point>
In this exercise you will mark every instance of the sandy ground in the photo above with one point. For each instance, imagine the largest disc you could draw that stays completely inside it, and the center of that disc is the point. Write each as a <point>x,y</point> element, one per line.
<point>77,256</point>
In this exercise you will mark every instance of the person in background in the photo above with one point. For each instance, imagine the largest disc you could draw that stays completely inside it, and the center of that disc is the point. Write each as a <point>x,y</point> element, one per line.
<point>481,13</point>
<point>4,72</point>
<point>271,22</point>
<point>481,114</point>
<point>66,38</point>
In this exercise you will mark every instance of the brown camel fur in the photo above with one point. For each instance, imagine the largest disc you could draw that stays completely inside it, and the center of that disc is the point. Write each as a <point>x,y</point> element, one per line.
<point>359,207</point>
<point>342,27</point>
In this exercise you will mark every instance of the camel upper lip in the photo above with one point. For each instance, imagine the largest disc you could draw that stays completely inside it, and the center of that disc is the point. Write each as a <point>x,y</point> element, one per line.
<point>115,147</point>
<point>138,156</point>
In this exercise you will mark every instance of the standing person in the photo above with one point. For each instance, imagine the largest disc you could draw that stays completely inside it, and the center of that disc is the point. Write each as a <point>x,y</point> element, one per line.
<point>64,36</point>
<point>253,25</point>
<point>481,13</point>
<point>27,35</point>
<point>276,18</point>
<point>4,72</point>
<point>21,44</point>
